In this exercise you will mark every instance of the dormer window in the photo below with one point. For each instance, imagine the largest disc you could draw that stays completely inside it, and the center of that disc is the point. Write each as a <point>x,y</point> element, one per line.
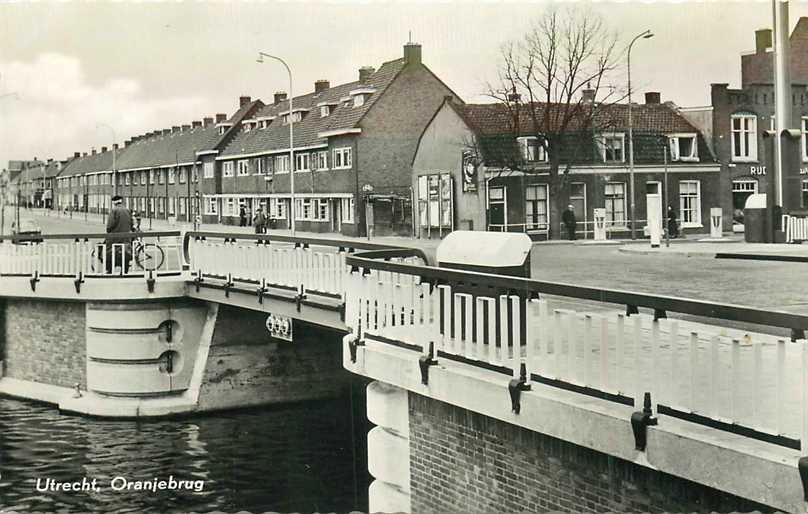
<point>359,96</point>
<point>285,119</point>
<point>611,147</point>
<point>358,100</point>
<point>222,128</point>
<point>683,147</point>
<point>531,149</point>
<point>297,116</point>
<point>325,111</point>
<point>247,126</point>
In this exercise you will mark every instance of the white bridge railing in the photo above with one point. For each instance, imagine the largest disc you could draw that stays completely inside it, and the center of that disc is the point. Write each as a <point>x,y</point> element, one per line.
<point>316,265</point>
<point>796,228</point>
<point>133,254</point>
<point>702,372</point>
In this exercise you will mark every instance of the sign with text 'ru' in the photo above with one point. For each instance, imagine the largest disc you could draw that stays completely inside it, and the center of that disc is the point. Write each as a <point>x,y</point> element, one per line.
<point>280,327</point>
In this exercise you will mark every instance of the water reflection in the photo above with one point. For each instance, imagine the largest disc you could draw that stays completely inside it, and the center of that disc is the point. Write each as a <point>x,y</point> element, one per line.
<point>284,458</point>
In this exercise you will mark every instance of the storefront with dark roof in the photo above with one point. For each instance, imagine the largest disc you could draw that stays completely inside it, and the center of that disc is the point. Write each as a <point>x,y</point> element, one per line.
<point>473,171</point>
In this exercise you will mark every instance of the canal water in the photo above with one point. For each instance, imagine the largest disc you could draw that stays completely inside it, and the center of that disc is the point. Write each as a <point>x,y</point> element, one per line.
<point>304,457</point>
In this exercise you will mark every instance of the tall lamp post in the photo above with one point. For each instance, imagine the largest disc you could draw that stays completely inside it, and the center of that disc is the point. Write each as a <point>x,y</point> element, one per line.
<point>647,34</point>
<point>260,59</point>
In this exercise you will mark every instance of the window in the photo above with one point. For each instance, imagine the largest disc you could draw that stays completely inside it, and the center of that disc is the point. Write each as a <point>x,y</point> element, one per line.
<point>282,164</point>
<point>683,147</point>
<point>161,176</point>
<point>611,147</point>
<point>690,202</point>
<point>207,170</point>
<point>126,179</point>
<point>152,176</point>
<point>744,137</point>
<point>325,111</point>
<point>171,175</point>
<point>277,208</point>
<point>804,196</point>
<point>347,210</point>
<point>804,139</point>
<point>531,149</point>
<point>319,161</point>
<point>182,205</point>
<point>227,169</point>
<point>195,173</point>
<point>243,167</point>
<point>183,174</point>
<point>212,206</point>
<point>247,126</point>
<point>536,207</point>
<point>302,162</point>
<point>143,178</point>
<point>322,209</point>
<point>358,100</point>
<point>311,209</point>
<point>297,116</point>
<point>260,166</point>
<point>615,196</point>
<point>285,119</point>
<point>342,158</point>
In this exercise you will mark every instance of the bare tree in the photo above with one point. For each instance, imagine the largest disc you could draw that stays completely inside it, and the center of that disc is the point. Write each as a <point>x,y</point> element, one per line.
<point>542,79</point>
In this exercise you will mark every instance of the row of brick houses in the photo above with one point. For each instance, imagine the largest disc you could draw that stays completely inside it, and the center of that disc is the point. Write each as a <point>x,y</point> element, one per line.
<point>353,147</point>
<point>389,153</point>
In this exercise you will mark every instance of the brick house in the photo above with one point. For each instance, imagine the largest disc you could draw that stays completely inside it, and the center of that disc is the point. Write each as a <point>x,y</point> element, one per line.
<point>353,150</point>
<point>464,178</point>
<point>157,173</point>
<point>739,119</point>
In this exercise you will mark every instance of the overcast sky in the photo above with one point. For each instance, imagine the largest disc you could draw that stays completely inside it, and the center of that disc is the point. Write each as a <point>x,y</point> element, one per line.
<point>138,67</point>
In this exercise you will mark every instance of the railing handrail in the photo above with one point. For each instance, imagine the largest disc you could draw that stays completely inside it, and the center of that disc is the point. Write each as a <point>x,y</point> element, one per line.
<point>94,235</point>
<point>310,241</point>
<point>505,283</point>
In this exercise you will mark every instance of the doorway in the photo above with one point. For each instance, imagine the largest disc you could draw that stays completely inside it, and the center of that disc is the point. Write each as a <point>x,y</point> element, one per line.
<point>497,209</point>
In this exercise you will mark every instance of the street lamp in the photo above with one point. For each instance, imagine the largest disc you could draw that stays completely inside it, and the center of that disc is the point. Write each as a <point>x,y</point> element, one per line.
<point>644,35</point>
<point>260,59</point>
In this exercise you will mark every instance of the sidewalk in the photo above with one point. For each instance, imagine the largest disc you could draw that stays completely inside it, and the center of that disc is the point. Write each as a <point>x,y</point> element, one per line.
<point>60,223</point>
<point>724,248</point>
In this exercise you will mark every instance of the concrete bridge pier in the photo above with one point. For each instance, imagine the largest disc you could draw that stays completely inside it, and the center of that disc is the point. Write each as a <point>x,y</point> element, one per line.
<point>388,448</point>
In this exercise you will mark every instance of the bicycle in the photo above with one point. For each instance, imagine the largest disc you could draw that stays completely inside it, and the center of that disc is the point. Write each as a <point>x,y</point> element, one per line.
<point>147,256</point>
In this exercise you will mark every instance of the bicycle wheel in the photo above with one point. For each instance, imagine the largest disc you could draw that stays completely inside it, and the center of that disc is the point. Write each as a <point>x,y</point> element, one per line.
<point>149,257</point>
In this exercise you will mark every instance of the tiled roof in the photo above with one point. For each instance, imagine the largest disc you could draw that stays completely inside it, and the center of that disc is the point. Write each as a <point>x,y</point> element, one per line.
<point>162,150</point>
<point>495,118</point>
<point>276,136</point>
<point>91,163</point>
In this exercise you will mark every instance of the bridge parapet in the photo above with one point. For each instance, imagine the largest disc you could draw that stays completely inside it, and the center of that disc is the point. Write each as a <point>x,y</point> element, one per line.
<point>133,254</point>
<point>734,380</point>
<point>303,264</point>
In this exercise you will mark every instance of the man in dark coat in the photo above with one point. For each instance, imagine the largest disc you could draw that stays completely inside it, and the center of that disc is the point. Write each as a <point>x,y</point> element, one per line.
<point>260,221</point>
<point>118,222</point>
<point>568,218</point>
<point>673,226</point>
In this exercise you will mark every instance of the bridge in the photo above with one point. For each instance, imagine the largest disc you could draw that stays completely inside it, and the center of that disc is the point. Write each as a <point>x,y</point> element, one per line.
<point>727,384</point>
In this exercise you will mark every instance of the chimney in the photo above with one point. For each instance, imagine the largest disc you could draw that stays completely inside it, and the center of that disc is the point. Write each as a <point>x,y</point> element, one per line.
<point>221,117</point>
<point>321,85</point>
<point>652,98</point>
<point>115,146</point>
<point>412,53</point>
<point>763,40</point>
<point>588,96</point>
<point>196,124</point>
<point>365,72</point>
<point>103,149</point>
<point>175,129</point>
<point>84,154</point>
<point>280,96</point>
<point>93,151</point>
<point>186,128</point>
<point>243,100</point>
<point>76,155</point>
<point>207,122</point>
<point>166,132</point>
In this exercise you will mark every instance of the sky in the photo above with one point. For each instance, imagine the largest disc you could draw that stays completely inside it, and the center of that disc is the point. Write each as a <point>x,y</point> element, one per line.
<point>82,71</point>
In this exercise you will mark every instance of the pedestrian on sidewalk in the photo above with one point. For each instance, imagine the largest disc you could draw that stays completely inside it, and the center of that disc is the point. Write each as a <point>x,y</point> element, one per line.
<point>260,221</point>
<point>242,216</point>
<point>568,218</point>
<point>673,226</point>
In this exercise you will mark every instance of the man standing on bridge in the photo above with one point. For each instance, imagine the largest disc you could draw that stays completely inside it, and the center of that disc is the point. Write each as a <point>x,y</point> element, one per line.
<point>118,222</point>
